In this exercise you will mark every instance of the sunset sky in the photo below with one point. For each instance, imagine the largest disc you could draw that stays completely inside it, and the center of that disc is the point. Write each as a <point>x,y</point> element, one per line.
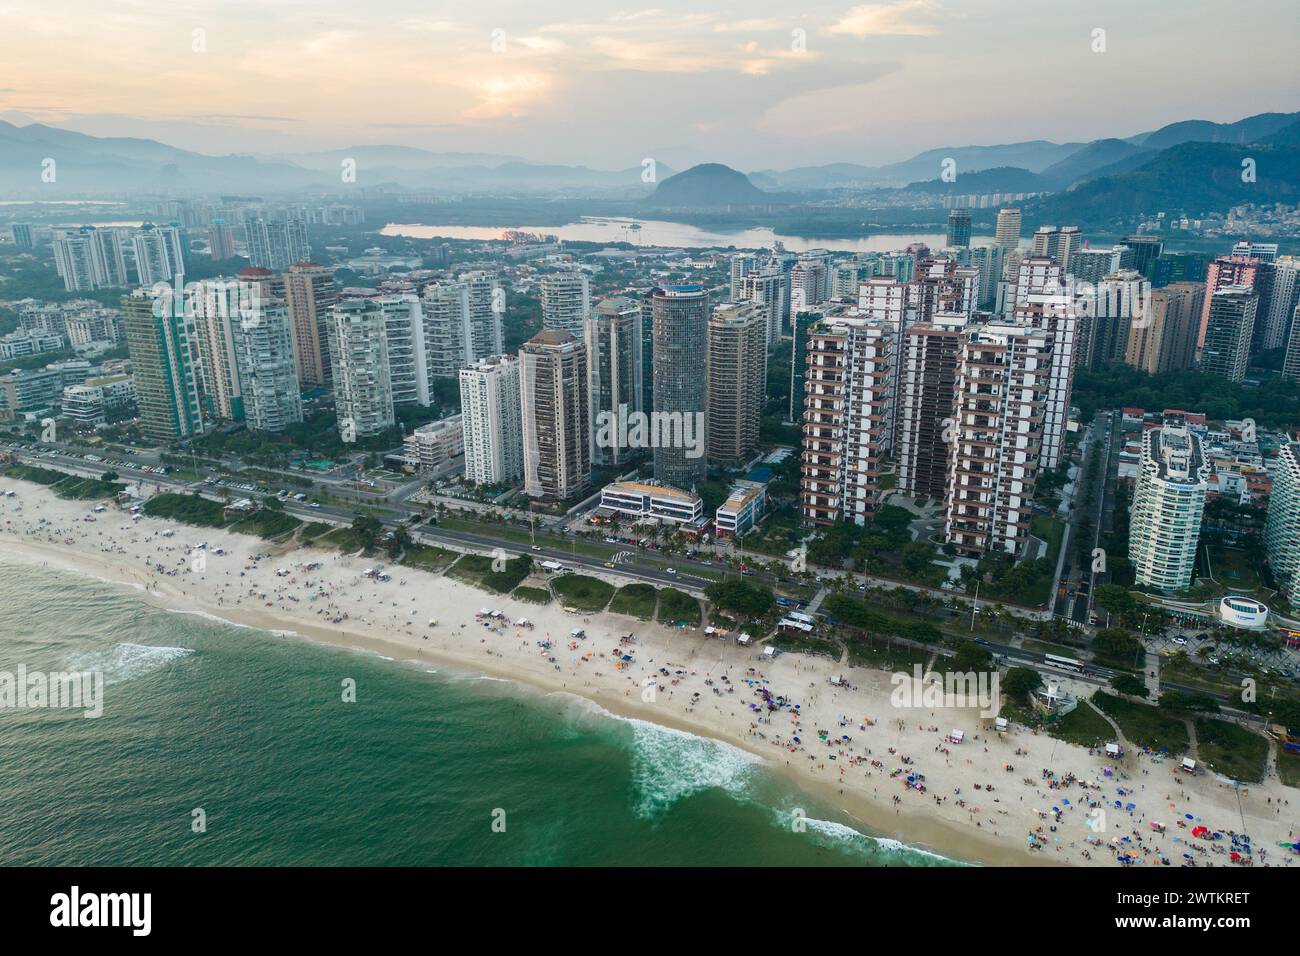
<point>759,84</point>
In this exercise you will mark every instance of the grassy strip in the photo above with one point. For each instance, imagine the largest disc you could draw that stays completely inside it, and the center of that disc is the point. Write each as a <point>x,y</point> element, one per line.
<point>532,595</point>
<point>800,644</point>
<point>677,606</point>
<point>637,600</point>
<point>267,524</point>
<point>1144,725</point>
<point>427,558</point>
<point>312,531</point>
<point>1231,749</point>
<point>1082,726</point>
<point>583,592</point>
<point>476,569</point>
<point>189,509</point>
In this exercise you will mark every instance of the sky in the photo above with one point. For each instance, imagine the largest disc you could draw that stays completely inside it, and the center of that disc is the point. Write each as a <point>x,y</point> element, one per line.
<point>756,84</point>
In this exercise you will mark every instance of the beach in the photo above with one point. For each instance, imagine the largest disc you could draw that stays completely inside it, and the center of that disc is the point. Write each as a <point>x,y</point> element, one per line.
<point>979,801</point>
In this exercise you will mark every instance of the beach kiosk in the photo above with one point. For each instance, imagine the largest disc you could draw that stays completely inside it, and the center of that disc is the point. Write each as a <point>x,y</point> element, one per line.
<point>1114,751</point>
<point>955,736</point>
<point>744,640</point>
<point>1000,724</point>
<point>1189,765</point>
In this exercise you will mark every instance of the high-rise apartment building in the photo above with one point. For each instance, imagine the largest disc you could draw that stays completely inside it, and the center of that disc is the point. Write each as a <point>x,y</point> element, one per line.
<point>566,301</point>
<point>221,240</point>
<point>162,362</point>
<point>927,393</point>
<point>1165,340</point>
<point>737,381</point>
<point>158,254</point>
<point>1168,502</point>
<point>278,244</point>
<point>1283,299</point>
<point>769,289</point>
<point>1007,233</point>
<point>555,409</point>
<point>1229,324</point>
<point>614,376</point>
<point>959,228</point>
<point>1003,378</point>
<point>408,360</point>
<point>1057,244</point>
<point>1225,271</point>
<point>266,368</point>
<point>363,391</point>
<point>742,264</point>
<point>847,425</point>
<point>491,421</point>
<point>680,317</point>
<point>448,333</point>
<point>1146,252</point>
<point>487,306</point>
<point>214,308</point>
<point>311,295</point>
<point>1282,529</point>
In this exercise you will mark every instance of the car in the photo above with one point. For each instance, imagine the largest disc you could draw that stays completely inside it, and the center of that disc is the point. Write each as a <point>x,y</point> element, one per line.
<point>670,570</point>
<point>537,547</point>
<point>610,564</point>
<point>982,642</point>
<point>314,504</point>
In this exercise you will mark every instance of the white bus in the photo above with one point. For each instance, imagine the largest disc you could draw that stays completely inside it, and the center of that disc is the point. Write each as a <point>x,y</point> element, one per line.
<point>1068,663</point>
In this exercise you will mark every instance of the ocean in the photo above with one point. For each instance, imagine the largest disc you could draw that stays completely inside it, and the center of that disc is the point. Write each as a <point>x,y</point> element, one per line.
<point>251,730</point>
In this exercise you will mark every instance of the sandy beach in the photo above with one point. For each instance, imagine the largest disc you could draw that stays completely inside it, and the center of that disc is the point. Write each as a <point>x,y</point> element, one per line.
<point>978,801</point>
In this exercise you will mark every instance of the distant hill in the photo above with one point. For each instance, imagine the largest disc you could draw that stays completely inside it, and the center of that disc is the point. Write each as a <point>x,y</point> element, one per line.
<point>1098,154</point>
<point>1192,177</point>
<point>708,185</point>
<point>1002,179</point>
<point>1252,129</point>
<point>1286,136</point>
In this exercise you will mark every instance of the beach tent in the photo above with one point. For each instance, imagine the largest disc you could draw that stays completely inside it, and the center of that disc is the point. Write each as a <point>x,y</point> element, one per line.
<point>1189,765</point>
<point>1112,750</point>
<point>743,639</point>
<point>956,737</point>
<point>769,651</point>
<point>1001,724</point>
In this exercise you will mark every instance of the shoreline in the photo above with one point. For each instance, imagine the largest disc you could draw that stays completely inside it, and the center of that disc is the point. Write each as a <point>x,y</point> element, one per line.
<point>947,826</point>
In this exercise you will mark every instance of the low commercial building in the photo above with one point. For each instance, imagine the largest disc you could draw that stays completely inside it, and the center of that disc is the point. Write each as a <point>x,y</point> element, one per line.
<point>431,446</point>
<point>655,503</point>
<point>741,511</point>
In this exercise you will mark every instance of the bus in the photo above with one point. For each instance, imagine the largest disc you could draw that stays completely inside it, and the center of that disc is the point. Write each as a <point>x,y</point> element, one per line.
<point>1068,663</point>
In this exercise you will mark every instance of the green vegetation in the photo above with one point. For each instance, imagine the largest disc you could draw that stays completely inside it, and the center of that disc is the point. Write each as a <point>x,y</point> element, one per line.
<point>637,600</point>
<point>1274,403</point>
<point>856,614</point>
<point>267,523</point>
<point>1082,726</point>
<point>1288,767</point>
<point>65,485</point>
<point>803,644</point>
<point>1000,578</point>
<point>189,509</point>
<point>312,531</point>
<point>476,569</point>
<point>1231,749</point>
<point>346,540</point>
<point>1051,530</point>
<point>583,592</point>
<point>532,595</point>
<point>739,595</point>
<point>1129,684</point>
<point>883,547</point>
<point>677,606</point>
<point>427,558</point>
<point>1144,725</point>
<point>1115,647</point>
<point>887,657</point>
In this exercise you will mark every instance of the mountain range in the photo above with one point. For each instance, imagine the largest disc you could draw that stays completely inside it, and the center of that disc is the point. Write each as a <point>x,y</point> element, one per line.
<point>1192,165</point>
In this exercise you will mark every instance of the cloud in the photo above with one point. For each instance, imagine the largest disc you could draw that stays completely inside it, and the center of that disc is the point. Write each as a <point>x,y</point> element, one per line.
<point>901,18</point>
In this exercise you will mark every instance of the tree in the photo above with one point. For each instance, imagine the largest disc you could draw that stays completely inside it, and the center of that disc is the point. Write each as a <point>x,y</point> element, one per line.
<point>367,529</point>
<point>1129,684</point>
<point>972,657</point>
<point>741,596</point>
<point>1115,645</point>
<point>1114,598</point>
<point>1020,682</point>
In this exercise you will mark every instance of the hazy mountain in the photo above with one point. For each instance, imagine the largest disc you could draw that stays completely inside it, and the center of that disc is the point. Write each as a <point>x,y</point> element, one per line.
<point>394,157</point>
<point>1099,154</point>
<point>710,184</point>
<point>1194,178</point>
<point>1286,136</point>
<point>1249,130</point>
<point>1002,179</point>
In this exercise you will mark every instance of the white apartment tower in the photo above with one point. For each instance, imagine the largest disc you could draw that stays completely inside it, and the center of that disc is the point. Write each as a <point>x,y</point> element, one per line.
<point>268,373</point>
<point>566,301</point>
<point>491,421</point>
<point>554,409</point>
<point>1282,530</point>
<point>363,391</point>
<point>1168,502</point>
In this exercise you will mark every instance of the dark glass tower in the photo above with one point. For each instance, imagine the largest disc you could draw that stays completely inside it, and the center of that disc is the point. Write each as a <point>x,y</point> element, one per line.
<point>680,328</point>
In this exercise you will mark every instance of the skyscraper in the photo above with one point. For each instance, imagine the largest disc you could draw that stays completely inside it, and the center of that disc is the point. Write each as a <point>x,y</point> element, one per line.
<point>1057,244</point>
<point>1166,338</point>
<point>1168,502</point>
<point>737,381</point>
<point>215,307</point>
<point>448,333</point>
<point>491,421</point>
<point>555,410</point>
<point>680,317</point>
<point>959,228</point>
<point>158,253</point>
<point>23,236</point>
<point>997,437</point>
<point>1007,234</point>
<point>847,425</point>
<point>276,245</point>
<point>408,361</point>
<point>221,240</point>
<point>1282,529</point>
<point>363,391</point>
<point>614,375</point>
<point>1225,271</point>
<point>311,295</point>
<point>166,381</point>
<point>770,289</point>
<point>1230,320</point>
<point>487,306</point>
<point>1146,252</point>
<point>927,393</point>
<point>566,301</point>
<point>267,371</point>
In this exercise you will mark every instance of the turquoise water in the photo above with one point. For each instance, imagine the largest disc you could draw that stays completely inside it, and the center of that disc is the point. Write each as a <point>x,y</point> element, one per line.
<point>251,727</point>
